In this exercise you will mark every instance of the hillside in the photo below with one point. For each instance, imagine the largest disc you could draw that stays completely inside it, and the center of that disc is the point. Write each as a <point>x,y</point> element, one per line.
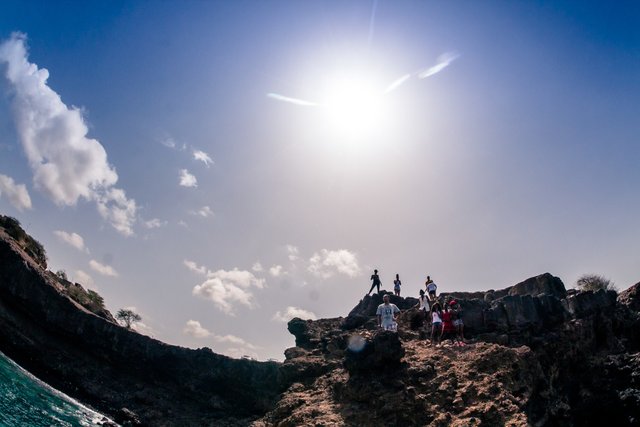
<point>537,354</point>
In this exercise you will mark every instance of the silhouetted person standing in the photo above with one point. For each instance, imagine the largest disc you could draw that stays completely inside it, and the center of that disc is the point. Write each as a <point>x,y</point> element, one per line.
<point>376,281</point>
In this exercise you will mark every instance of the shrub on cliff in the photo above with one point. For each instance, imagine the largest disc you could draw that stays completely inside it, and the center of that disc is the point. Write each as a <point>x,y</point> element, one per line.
<point>89,299</point>
<point>30,245</point>
<point>594,282</point>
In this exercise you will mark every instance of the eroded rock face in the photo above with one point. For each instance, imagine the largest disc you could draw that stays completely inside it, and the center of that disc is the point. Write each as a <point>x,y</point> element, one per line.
<point>118,371</point>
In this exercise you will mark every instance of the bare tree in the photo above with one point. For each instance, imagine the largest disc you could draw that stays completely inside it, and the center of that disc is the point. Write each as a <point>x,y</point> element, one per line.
<point>128,317</point>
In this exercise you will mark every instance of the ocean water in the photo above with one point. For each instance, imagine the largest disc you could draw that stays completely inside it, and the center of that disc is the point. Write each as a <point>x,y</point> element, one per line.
<point>27,401</point>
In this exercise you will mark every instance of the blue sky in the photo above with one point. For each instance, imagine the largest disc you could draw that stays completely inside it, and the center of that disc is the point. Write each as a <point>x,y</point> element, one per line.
<point>478,142</point>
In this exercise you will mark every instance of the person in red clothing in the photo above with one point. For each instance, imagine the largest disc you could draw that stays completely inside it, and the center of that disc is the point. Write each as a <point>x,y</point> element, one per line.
<point>448,330</point>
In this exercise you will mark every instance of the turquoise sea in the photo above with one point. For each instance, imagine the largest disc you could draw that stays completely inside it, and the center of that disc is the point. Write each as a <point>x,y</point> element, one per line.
<point>27,401</point>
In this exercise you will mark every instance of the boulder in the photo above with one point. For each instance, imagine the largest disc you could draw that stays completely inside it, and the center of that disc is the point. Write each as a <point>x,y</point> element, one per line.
<point>586,303</point>
<point>542,284</point>
<point>383,350</point>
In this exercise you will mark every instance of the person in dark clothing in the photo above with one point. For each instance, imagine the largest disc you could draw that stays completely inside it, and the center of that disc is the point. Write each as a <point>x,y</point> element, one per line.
<point>376,282</point>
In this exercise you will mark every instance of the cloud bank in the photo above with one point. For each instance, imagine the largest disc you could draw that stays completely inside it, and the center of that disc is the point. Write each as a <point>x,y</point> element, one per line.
<point>17,194</point>
<point>66,164</point>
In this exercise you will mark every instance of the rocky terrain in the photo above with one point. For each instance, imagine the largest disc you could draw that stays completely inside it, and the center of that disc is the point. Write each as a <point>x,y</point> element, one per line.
<point>536,354</point>
<point>539,355</point>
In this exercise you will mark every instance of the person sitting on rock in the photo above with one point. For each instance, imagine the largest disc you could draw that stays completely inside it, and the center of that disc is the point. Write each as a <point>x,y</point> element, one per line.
<point>396,285</point>
<point>436,322</point>
<point>431,288</point>
<point>376,282</point>
<point>387,314</point>
<point>457,323</point>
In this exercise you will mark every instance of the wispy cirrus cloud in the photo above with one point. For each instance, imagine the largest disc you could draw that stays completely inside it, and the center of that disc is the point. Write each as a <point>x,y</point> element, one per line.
<point>204,212</point>
<point>187,179</point>
<point>154,223</point>
<point>290,312</point>
<point>443,62</point>
<point>105,270</point>
<point>17,194</point>
<point>73,239</point>
<point>67,165</point>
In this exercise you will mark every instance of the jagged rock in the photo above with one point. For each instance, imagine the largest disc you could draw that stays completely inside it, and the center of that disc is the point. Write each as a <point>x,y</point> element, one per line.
<point>588,302</point>
<point>631,297</point>
<point>542,284</point>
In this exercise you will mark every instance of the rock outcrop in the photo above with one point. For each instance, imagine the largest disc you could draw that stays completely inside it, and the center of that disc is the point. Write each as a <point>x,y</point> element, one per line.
<point>538,355</point>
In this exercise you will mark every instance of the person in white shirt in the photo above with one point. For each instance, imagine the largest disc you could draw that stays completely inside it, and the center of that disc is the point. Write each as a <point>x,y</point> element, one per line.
<point>387,314</point>
<point>436,322</point>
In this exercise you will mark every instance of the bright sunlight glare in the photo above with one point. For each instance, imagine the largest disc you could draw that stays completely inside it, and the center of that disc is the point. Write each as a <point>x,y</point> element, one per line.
<point>354,107</point>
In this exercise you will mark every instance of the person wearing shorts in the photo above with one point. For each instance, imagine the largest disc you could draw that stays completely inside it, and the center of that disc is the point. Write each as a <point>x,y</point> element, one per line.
<point>431,288</point>
<point>387,314</point>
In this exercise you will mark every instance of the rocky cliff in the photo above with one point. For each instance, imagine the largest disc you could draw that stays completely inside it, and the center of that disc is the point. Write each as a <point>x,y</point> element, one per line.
<point>134,378</point>
<point>537,354</point>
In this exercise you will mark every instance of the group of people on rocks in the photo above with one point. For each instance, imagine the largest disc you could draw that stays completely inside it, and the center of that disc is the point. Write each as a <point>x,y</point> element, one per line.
<point>442,315</point>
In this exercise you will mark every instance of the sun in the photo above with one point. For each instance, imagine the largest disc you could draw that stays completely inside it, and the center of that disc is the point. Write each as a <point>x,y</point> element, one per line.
<point>353,107</point>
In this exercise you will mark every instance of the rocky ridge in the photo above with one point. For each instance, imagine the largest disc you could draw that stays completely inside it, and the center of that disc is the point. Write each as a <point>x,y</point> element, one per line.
<point>538,355</point>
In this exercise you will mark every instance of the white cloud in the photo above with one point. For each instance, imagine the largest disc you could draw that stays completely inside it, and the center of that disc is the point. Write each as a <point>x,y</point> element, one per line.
<point>73,239</point>
<point>191,265</point>
<point>84,279</point>
<point>105,270</point>
<point>232,339</point>
<point>66,164</point>
<point>277,271</point>
<point>257,267</point>
<point>291,312</point>
<point>195,329</point>
<point>154,223</point>
<point>16,193</point>
<point>204,212</point>
<point>187,180</point>
<point>326,263</point>
<point>443,62</point>
<point>293,253</point>
<point>228,288</point>
<point>203,157</point>
<point>168,141</point>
